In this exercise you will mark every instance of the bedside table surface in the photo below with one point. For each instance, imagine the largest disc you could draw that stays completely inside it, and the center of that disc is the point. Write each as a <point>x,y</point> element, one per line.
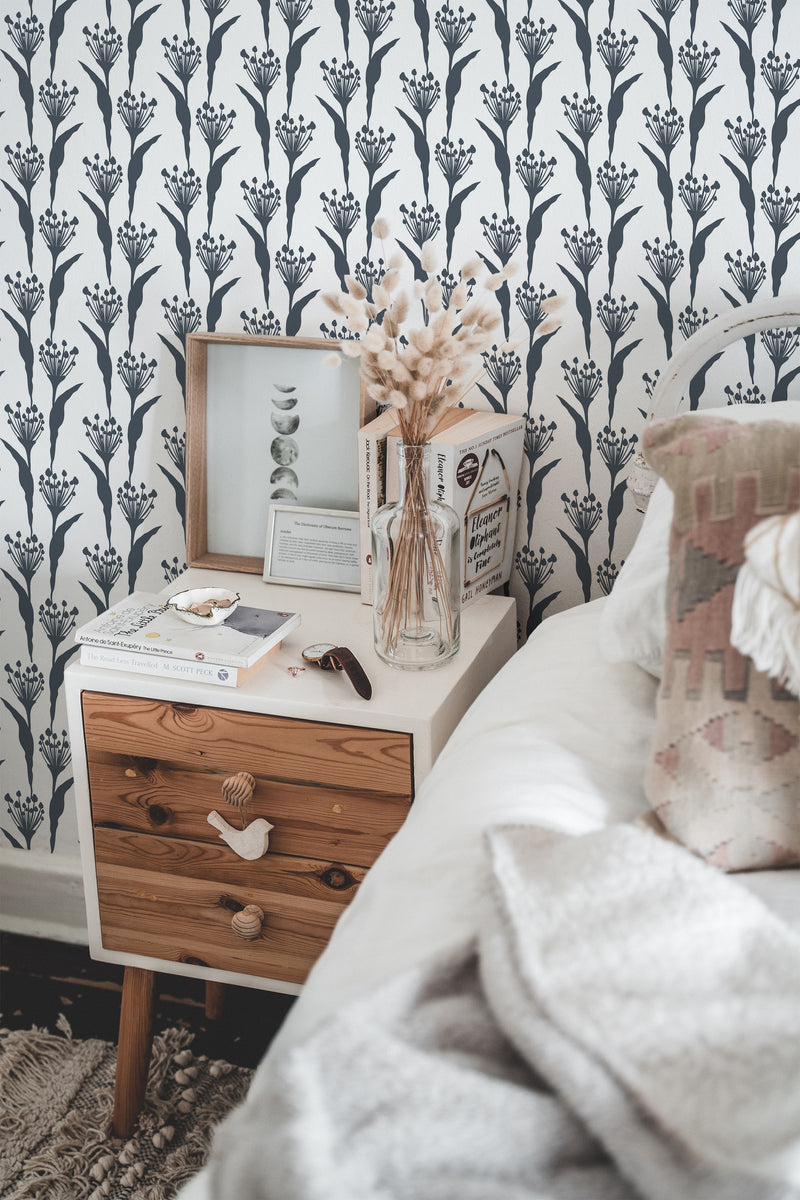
<point>427,704</point>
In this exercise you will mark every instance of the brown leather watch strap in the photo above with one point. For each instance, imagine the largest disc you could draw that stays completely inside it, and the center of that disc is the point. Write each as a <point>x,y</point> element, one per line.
<point>344,660</point>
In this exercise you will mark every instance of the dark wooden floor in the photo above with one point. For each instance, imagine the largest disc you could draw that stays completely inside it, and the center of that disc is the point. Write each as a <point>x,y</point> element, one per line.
<point>40,979</point>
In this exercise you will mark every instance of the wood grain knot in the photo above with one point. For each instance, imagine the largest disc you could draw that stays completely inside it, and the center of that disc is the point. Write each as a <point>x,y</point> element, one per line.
<point>158,815</point>
<point>337,878</point>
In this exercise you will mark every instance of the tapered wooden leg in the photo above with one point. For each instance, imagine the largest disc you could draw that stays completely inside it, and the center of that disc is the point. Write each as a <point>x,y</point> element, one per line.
<point>135,1044</point>
<point>215,999</point>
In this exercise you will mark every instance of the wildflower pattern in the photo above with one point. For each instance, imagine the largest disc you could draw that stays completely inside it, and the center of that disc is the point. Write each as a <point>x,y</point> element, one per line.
<point>170,167</point>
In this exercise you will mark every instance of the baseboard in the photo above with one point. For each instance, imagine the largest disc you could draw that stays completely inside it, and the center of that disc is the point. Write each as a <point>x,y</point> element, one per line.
<point>41,895</point>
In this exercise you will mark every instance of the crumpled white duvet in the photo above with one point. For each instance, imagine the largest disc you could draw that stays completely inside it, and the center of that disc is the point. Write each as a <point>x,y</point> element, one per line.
<point>557,740</point>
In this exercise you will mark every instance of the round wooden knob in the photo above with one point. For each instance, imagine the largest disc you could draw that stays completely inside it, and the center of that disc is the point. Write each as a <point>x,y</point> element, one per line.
<point>238,789</point>
<point>247,923</point>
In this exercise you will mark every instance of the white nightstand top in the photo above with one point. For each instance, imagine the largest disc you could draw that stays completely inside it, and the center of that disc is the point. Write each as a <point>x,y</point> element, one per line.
<point>427,704</point>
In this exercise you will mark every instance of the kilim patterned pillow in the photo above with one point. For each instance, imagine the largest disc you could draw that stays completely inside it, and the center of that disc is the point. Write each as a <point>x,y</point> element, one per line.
<point>724,769</point>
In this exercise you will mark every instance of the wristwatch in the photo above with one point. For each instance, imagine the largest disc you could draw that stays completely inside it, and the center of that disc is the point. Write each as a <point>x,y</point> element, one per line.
<point>339,658</point>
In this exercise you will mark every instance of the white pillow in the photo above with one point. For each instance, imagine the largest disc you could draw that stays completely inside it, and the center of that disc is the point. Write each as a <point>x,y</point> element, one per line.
<point>633,623</point>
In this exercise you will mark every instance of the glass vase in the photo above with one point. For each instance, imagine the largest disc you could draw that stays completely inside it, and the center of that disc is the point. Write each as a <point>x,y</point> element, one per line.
<point>416,571</point>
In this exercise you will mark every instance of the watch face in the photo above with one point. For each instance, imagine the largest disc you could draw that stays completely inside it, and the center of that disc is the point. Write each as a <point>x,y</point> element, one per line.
<point>312,653</point>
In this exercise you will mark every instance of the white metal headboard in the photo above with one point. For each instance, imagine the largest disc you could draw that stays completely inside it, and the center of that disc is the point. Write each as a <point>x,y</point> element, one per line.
<point>773,313</point>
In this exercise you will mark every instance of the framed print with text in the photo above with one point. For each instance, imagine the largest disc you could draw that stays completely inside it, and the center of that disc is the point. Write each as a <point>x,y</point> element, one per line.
<point>313,547</point>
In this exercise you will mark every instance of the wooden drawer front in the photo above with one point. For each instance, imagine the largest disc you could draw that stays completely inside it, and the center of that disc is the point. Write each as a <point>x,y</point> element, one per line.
<point>184,919</point>
<point>371,760</point>
<point>312,879</point>
<point>151,796</point>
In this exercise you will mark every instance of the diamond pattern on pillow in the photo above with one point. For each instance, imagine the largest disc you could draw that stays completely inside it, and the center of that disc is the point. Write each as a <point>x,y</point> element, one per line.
<point>724,770</point>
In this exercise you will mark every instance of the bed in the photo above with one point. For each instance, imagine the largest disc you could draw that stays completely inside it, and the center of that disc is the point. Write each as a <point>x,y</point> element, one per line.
<point>539,990</point>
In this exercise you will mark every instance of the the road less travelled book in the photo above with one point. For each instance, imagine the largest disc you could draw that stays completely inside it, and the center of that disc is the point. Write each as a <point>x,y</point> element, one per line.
<point>142,624</point>
<point>190,669</point>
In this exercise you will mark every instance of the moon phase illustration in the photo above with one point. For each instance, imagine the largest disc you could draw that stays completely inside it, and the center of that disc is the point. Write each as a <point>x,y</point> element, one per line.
<point>284,477</point>
<point>284,422</point>
<point>286,399</point>
<point>284,450</point>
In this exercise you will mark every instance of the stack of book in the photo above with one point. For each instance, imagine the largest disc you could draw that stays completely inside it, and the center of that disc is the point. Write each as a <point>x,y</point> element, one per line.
<point>476,458</point>
<point>140,634</point>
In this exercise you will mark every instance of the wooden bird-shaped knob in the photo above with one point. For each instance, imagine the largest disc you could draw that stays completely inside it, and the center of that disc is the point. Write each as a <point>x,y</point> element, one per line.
<point>247,923</point>
<point>248,843</point>
<point>237,790</point>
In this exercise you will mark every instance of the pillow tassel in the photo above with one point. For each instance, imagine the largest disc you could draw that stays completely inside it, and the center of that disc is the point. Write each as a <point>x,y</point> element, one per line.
<point>765,615</point>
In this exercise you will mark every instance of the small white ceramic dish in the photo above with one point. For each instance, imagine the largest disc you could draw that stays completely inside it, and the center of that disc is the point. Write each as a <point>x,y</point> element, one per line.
<point>207,603</point>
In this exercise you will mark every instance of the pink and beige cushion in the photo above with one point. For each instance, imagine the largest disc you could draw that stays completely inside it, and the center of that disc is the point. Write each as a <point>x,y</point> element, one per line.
<point>724,769</point>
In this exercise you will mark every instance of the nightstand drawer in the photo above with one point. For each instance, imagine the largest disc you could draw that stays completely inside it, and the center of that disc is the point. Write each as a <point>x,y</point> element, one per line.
<point>178,904</point>
<point>220,739</point>
<point>167,782</point>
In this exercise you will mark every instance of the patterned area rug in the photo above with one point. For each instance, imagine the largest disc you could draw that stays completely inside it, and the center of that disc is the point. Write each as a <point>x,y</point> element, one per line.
<point>56,1100</point>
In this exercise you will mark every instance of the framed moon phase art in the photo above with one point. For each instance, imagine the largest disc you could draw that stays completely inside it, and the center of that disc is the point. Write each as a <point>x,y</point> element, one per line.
<point>268,421</point>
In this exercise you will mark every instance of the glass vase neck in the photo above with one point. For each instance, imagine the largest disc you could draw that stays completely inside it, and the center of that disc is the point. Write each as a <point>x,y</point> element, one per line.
<point>413,462</point>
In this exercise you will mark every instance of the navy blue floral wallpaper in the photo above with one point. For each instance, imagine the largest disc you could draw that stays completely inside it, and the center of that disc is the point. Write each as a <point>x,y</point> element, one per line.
<point>170,167</point>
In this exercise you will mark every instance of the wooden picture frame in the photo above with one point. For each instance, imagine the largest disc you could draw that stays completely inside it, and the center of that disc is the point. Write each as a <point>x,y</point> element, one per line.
<point>257,408</point>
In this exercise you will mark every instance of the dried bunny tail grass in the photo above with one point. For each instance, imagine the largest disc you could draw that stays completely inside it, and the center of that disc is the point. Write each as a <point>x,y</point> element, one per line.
<point>422,339</point>
<point>472,269</point>
<point>355,288</point>
<point>374,339</point>
<point>391,279</point>
<point>400,308</point>
<point>390,326</point>
<point>351,307</point>
<point>380,228</point>
<point>427,258</point>
<point>473,314</point>
<point>334,301</point>
<point>381,296</point>
<point>334,361</point>
<point>488,321</point>
<point>396,398</point>
<point>495,282</point>
<point>433,295</point>
<point>552,303</point>
<point>350,348</point>
<point>395,262</point>
<point>459,295</point>
<point>446,322</point>
<point>549,326</point>
<point>379,393</point>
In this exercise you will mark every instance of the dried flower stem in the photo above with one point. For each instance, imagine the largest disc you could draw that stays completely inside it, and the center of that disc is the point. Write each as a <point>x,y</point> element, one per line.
<point>420,371</point>
<point>416,567</point>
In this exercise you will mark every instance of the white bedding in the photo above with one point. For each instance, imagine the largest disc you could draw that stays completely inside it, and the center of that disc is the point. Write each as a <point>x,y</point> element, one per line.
<point>559,740</point>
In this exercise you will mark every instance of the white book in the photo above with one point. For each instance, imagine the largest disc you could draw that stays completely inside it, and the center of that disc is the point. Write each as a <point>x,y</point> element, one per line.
<point>141,623</point>
<point>371,487</point>
<point>172,668</point>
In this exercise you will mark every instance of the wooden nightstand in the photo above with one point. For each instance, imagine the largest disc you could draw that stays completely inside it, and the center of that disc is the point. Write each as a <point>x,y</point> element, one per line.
<point>333,773</point>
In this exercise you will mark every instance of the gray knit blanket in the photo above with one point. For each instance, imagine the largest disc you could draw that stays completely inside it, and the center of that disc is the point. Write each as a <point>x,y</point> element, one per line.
<point>626,1024</point>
